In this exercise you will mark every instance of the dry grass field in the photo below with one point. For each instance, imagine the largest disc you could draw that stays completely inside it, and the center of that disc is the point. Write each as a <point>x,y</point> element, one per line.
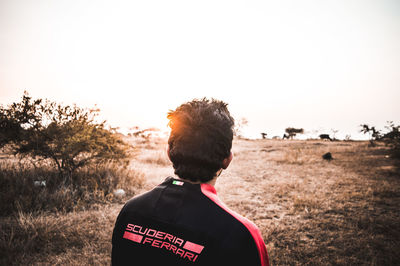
<point>310,211</point>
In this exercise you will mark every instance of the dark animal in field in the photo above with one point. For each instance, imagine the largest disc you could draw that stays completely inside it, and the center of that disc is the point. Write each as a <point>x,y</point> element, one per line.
<point>325,136</point>
<point>327,156</point>
<point>285,136</point>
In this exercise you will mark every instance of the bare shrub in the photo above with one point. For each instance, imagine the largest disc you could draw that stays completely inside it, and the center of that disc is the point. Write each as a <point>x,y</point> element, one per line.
<point>239,126</point>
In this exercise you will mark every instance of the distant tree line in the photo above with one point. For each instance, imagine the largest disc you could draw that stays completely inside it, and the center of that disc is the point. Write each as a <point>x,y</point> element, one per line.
<point>390,138</point>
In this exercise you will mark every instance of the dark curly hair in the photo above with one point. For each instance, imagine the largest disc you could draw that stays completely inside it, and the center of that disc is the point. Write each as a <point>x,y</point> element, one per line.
<point>201,138</point>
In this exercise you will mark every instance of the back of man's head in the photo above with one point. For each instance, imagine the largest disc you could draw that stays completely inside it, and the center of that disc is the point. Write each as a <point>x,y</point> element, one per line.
<point>201,138</point>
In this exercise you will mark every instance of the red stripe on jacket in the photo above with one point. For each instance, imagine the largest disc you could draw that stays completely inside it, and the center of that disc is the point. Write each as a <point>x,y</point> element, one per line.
<point>210,192</point>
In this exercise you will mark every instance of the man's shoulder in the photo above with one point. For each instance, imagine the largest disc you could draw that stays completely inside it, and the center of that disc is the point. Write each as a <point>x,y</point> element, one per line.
<point>142,201</point>
<point>235,217</point>
<point>149,194</point>
<point>243,237</point>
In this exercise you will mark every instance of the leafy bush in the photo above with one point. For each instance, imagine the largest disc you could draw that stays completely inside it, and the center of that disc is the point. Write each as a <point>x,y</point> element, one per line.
<point>374,134</point>
<point>68,136</point>
<point>392,138</point>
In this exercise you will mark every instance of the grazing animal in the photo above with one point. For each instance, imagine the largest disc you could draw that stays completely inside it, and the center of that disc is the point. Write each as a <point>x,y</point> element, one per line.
<point>327,156</point>
<point>285,136</point>
<point>325,136</point>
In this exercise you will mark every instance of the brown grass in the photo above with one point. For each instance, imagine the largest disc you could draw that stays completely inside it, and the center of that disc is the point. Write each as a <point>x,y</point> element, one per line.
<point>155,157</point>
<point>310,211</point>
<point>76,238</point>
<point>338,212</point>
<point>91,185</point>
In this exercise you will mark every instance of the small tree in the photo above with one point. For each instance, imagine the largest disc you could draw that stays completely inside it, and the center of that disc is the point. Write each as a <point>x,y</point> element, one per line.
<point>264,135</point>
<point>68,136</point>
<point>239,125</point>
<point>374,134</point>
<point>334,132</point>
<point>291,131</point>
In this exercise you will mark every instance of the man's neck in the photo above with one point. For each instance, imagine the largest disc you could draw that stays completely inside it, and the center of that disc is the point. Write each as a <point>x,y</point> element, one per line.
<point>212,182</point>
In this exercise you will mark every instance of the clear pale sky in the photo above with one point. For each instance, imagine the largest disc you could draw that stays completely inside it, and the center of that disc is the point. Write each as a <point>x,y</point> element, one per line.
<point>312,64</point>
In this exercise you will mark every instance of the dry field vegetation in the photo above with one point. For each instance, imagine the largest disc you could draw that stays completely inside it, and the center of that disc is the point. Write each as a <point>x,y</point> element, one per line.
<point>310,211</point>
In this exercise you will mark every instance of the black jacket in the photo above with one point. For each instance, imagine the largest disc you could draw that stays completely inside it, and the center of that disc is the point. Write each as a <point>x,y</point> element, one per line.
<point>179,223</point>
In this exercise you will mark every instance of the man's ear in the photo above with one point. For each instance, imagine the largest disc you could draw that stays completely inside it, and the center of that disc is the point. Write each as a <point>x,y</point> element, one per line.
<point>227,161</point>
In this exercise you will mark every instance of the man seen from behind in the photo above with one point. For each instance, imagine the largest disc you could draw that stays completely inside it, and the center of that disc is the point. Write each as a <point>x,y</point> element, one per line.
<point>182,221</point>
